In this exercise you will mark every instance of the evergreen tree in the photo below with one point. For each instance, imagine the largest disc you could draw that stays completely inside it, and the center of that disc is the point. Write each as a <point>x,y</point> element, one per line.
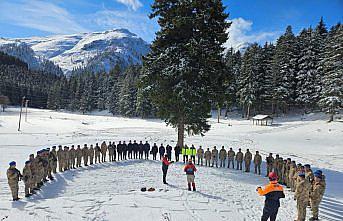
<point>251,79</point>
<point>114,90</point>
<point>184,61</point>
<point>284,70</point>
<point>332,93</point>
<point>128,93</point>
<point>268,85</point>
<point>307,87</point>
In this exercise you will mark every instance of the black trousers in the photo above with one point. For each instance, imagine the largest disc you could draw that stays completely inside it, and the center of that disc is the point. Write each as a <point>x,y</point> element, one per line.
<point>146,155</point>
<point>154,156</point>
<point>269,213</point>
<point>177,157</point>
<point>164,175</point>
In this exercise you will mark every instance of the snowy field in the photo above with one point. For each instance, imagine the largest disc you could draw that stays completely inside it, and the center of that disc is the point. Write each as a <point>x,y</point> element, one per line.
<point>111,191</point>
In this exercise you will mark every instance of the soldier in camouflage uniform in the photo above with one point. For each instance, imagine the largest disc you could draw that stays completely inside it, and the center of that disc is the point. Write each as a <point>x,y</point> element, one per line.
<point>33,167</point>
<point>45,162</point>
<point>279,169</point>
<point>270,163</point>
<point>41,163</point>
<point>66,158</point>
<point>52,161</point>
<point>72,159</point>
<point>222,156</point>
<point>317,193</point>
<point>110,151</point>
<point>247,160</point>
<point>200,155</point>
<point>27,178</point>
<point>231,158</point>
<point>13,177</point>
<point>104,151</point>
<point>257,163</point>
<point>53,154</point>
<point>239,159</point>
<point>208,155</point>
<point>291,174</point>
<point>302,194</point>
<point>85,155</point>
<point>60,157</point>
<point>79,154</point>
<point>91,155</point>
<point>276,165</point>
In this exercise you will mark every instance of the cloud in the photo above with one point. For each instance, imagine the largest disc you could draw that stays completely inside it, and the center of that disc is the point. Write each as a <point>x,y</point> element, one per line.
<point>39,15</point>
<point>133,4</point>
<point>137,23</point>
<point>240,34</point>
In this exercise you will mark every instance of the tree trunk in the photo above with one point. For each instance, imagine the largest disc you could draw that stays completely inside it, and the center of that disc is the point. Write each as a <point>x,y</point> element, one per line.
<point>218,114</point>
<point>248,112</point>
<point>180,134</point>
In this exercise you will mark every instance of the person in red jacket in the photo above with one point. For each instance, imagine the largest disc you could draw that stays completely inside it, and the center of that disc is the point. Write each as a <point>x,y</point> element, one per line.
<point>273,192</point>
<point>190,170</point>
<point>165,165</point>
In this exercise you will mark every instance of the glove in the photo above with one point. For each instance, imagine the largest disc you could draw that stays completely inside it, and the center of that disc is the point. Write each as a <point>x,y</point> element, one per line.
<point>171,161</point>
<point>258,188</point>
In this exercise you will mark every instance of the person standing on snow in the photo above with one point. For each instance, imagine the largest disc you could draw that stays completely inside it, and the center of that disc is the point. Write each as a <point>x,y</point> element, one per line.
<point>318,190</point>
<point>239,159</point>
<point>214,156</point>
<point>154,151</point>
<point>273,193</point>
<point>302,196</point>
<point>190,170</point>
<point>222,156</point>
<point>200,155</point>
<point>146,150</point>
<point>161,150</point>
<point>257,163</point>
<point>231,158</point>
<point>14,176</point>
<point>184,152</point>
<point>208,156</point>
<point>177,151</point>
<point>247,161</point>
<point>169,152</point>
<point>165,166</point>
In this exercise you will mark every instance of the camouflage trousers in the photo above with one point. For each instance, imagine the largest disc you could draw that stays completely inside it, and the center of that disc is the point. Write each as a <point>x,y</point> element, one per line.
<point>315,208</point>
<point>14,189</point>
<point>301,208</point>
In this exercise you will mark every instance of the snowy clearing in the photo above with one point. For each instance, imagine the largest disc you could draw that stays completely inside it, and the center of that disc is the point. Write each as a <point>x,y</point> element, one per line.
<point>111,191</point>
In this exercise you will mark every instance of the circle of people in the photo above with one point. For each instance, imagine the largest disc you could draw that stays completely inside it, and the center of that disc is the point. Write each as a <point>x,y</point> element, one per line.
<point>309,187</point>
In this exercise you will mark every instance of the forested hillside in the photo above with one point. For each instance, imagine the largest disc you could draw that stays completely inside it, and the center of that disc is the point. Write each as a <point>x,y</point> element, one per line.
<point>302,71</point>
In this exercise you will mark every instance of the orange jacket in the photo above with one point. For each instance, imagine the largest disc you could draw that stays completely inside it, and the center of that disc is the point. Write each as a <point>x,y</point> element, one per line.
<point>271,187</point>
<point>273,192</point>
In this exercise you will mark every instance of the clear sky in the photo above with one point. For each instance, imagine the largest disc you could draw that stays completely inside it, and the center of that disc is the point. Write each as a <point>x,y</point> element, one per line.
<point>253,20</point>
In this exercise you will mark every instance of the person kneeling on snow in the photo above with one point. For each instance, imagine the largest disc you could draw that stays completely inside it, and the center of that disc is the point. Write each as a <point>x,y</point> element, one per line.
<point>190,170</point>
<point>165,165</point>
<point>273,192</point>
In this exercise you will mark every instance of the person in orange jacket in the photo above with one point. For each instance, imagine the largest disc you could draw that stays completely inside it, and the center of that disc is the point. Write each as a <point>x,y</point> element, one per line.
<point>273,193</point>
<point>165,165</point>
<point>190,170</point>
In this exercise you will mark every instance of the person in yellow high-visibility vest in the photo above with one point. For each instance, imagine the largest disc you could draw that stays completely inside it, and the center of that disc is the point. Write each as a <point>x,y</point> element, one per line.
<point>184,152</point>
<point>192,153</point>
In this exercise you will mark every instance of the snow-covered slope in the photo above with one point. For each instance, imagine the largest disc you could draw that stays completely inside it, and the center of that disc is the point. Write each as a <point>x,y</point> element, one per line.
<point>111,191</point>
<point>97,50</point>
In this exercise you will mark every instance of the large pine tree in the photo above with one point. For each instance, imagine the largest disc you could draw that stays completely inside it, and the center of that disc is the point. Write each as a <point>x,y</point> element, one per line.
<point>332,92</point>
<point>284,70</point>
<point>185,63</point>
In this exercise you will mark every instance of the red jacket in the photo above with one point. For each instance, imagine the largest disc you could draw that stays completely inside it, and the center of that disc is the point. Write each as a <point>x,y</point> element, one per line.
<point>190,169</point>
<point>165,161</point>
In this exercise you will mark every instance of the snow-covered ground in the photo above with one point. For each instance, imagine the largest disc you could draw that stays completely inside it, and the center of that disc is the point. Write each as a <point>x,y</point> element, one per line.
<point>111,191</point>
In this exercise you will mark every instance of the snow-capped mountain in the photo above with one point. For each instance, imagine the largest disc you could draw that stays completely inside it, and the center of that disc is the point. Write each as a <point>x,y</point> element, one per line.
<point>96,51</point>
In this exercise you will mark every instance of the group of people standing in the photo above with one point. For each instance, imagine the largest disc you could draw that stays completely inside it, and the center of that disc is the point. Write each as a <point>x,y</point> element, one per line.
<point>309,187</point>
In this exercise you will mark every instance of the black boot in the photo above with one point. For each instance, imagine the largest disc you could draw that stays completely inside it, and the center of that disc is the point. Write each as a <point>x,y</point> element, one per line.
<point>189,187</point>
